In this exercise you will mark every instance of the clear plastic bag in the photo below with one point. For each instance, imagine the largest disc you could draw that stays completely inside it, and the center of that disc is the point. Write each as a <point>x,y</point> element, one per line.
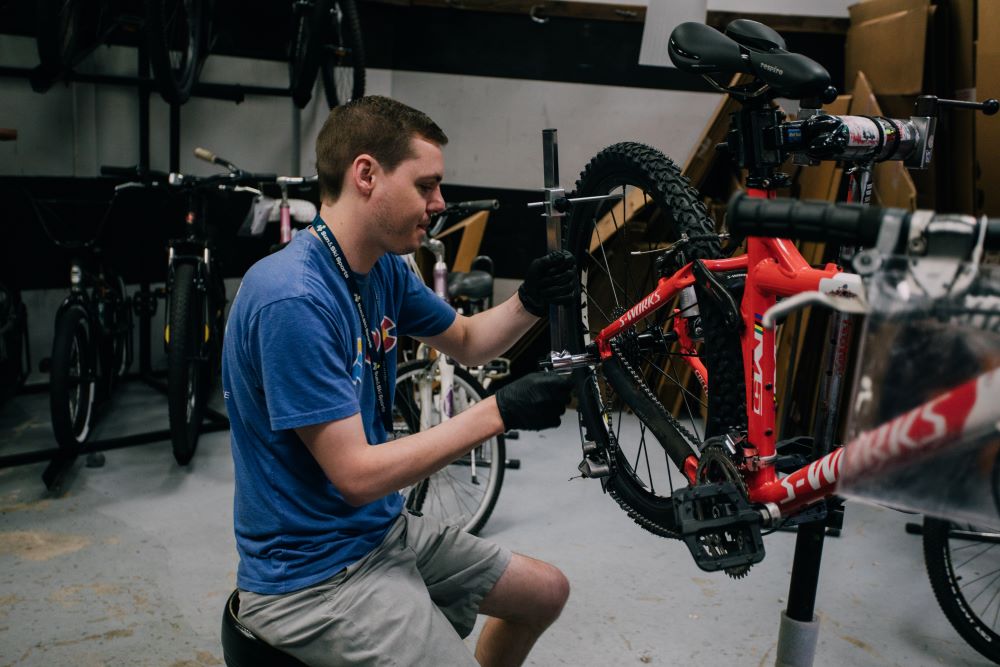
<point>924,415</point>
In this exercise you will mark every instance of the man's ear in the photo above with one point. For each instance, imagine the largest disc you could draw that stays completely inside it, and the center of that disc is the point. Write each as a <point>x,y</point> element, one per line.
<point>363,172</point>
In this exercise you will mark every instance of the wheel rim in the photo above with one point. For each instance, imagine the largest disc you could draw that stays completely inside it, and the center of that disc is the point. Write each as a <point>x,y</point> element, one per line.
<point>453,495</point>
<point>975,575</point>
<point>612,279</point>
<point>76,375</point>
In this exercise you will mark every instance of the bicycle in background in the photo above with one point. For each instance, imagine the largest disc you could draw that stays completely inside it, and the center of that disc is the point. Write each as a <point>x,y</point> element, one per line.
<point>15,351</point>
<point>176,32</point>
<point>432,388</point>
<point>92,344</point>
<point>195,294</point>
<point>326,39</point>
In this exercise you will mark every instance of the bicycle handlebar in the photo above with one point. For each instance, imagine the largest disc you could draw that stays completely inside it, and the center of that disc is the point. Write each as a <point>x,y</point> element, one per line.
<point>850,224</point>
<point>472,206</point>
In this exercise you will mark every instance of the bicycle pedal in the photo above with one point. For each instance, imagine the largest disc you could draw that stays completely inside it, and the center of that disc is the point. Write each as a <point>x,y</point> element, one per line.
<point>718,526</point>
<point>593,469</point>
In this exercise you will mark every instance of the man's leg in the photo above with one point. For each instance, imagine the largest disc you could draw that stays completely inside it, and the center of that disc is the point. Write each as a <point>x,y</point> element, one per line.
<point>526,600</point>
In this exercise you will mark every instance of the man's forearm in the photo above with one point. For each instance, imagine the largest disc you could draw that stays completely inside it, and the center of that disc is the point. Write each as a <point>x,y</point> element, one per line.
<point>492,332</point>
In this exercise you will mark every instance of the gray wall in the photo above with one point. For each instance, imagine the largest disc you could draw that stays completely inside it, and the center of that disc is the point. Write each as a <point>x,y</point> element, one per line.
<point>494,124</point>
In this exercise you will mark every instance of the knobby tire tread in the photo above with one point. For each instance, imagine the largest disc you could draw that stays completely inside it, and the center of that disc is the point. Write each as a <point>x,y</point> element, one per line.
<point>642,165</point>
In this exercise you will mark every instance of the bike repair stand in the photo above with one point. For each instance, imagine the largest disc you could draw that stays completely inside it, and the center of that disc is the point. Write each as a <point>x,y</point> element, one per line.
<point>556,205</point>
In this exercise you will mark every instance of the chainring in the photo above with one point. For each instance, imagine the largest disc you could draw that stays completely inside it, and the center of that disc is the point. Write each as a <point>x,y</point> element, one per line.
<point>715,466</point>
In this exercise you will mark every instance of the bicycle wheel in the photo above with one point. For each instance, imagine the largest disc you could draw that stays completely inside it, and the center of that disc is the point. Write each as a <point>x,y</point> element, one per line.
<point>964,569</point>
<point>343,65</point>
<point>188,361</point>
<point>310,31</point>
<point>66,33</point>
<point>464,493</point>
<point>646,376</point>
<point>72,381</point>
<point>177,38</point>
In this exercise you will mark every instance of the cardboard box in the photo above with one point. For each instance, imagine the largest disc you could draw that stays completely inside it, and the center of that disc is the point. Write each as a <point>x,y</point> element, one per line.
<point>903,60</point>
<point>987,128</point>
<point>887,41</point>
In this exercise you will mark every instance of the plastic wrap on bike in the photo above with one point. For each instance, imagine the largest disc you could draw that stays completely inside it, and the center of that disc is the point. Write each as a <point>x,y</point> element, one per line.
<point>924,419</point>
<point>846,224</point>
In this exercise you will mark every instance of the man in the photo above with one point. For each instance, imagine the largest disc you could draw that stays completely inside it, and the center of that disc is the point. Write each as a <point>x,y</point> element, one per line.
<point>331,569</point>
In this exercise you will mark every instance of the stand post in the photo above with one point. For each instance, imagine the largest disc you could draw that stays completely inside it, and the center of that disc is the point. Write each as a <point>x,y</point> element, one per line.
<point>799,628</point>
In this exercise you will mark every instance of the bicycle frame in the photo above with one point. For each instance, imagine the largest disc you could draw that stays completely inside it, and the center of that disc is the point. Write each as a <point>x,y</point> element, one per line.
<point>774,268</point>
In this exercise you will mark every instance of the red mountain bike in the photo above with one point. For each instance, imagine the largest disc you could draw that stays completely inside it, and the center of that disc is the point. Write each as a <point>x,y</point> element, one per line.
<point>661,300</point>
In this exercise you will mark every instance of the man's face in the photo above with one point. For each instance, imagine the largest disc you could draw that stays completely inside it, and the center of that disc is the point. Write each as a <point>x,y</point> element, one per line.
<point>410,195</point>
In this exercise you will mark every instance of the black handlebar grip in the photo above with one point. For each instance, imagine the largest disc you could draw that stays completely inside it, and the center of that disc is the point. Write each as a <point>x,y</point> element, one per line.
<point>992,240</point>
<point>845,224</point>
<point>477,205</point>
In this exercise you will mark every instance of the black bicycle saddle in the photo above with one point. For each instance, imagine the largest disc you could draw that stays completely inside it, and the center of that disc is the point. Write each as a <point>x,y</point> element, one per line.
<point>754,34</point>
<point>758,50</point>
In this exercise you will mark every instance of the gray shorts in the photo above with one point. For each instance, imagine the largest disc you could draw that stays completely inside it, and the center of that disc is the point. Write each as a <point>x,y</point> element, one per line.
<point>410,601</point>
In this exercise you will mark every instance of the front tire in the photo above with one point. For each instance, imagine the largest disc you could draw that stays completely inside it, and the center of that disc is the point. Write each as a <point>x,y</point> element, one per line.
<point>189,364</point>
<point>73,382</point>
<point>464,493</point>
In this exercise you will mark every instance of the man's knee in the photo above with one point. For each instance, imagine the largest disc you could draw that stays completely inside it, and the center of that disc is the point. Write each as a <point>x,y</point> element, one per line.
<point>556,594</point>
<point>530,591</point>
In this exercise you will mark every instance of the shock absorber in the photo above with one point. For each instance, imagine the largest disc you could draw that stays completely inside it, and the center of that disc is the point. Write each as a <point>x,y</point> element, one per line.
<point>688,307</point>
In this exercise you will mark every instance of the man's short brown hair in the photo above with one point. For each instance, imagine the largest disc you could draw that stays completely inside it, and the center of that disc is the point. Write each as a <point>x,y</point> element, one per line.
<point>378,126</point>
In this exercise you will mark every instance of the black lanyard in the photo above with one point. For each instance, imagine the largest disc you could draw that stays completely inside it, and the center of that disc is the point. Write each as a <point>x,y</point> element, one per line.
<point>380,373</point>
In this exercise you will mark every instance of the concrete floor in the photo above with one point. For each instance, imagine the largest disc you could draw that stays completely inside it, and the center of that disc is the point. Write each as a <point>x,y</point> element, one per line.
<point>130,564</point>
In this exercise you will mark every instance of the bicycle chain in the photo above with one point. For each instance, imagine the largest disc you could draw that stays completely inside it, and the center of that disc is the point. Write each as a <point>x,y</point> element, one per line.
<point>636,516</point>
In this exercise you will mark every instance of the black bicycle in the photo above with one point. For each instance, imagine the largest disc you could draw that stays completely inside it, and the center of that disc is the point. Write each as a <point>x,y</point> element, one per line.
<point>92,343</point>
<point>326,39</point>
<point>176,33</point>
<point>15,353</point>
<point>195,295</point>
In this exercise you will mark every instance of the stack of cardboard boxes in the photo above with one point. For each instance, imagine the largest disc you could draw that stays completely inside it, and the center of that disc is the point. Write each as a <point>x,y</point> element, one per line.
<point>947,48</point>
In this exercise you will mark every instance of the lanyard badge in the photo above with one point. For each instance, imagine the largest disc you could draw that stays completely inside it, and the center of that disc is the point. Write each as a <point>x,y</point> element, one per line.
<point>380,371</point>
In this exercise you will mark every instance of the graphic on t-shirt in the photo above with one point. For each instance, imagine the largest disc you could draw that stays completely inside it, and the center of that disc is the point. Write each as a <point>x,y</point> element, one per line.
<point>359,362</point>
<point>388,334</point>
<point>386,337</point>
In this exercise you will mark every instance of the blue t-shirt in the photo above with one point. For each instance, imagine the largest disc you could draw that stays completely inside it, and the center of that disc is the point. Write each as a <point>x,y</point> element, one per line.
<point>293,356</point>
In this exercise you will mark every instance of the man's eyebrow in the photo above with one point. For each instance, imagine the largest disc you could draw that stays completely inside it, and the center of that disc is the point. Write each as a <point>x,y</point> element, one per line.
<point>437,178</point>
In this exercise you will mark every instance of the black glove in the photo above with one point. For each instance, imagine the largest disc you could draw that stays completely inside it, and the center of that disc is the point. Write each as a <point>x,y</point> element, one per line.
<point>534,402</point>
<point>551,280</point>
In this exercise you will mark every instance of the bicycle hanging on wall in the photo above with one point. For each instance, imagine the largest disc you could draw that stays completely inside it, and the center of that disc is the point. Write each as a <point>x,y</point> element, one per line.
<point>176,34</point>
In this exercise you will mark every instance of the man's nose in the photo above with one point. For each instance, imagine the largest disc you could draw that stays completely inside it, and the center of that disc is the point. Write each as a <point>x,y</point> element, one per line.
<point>436,204</point>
